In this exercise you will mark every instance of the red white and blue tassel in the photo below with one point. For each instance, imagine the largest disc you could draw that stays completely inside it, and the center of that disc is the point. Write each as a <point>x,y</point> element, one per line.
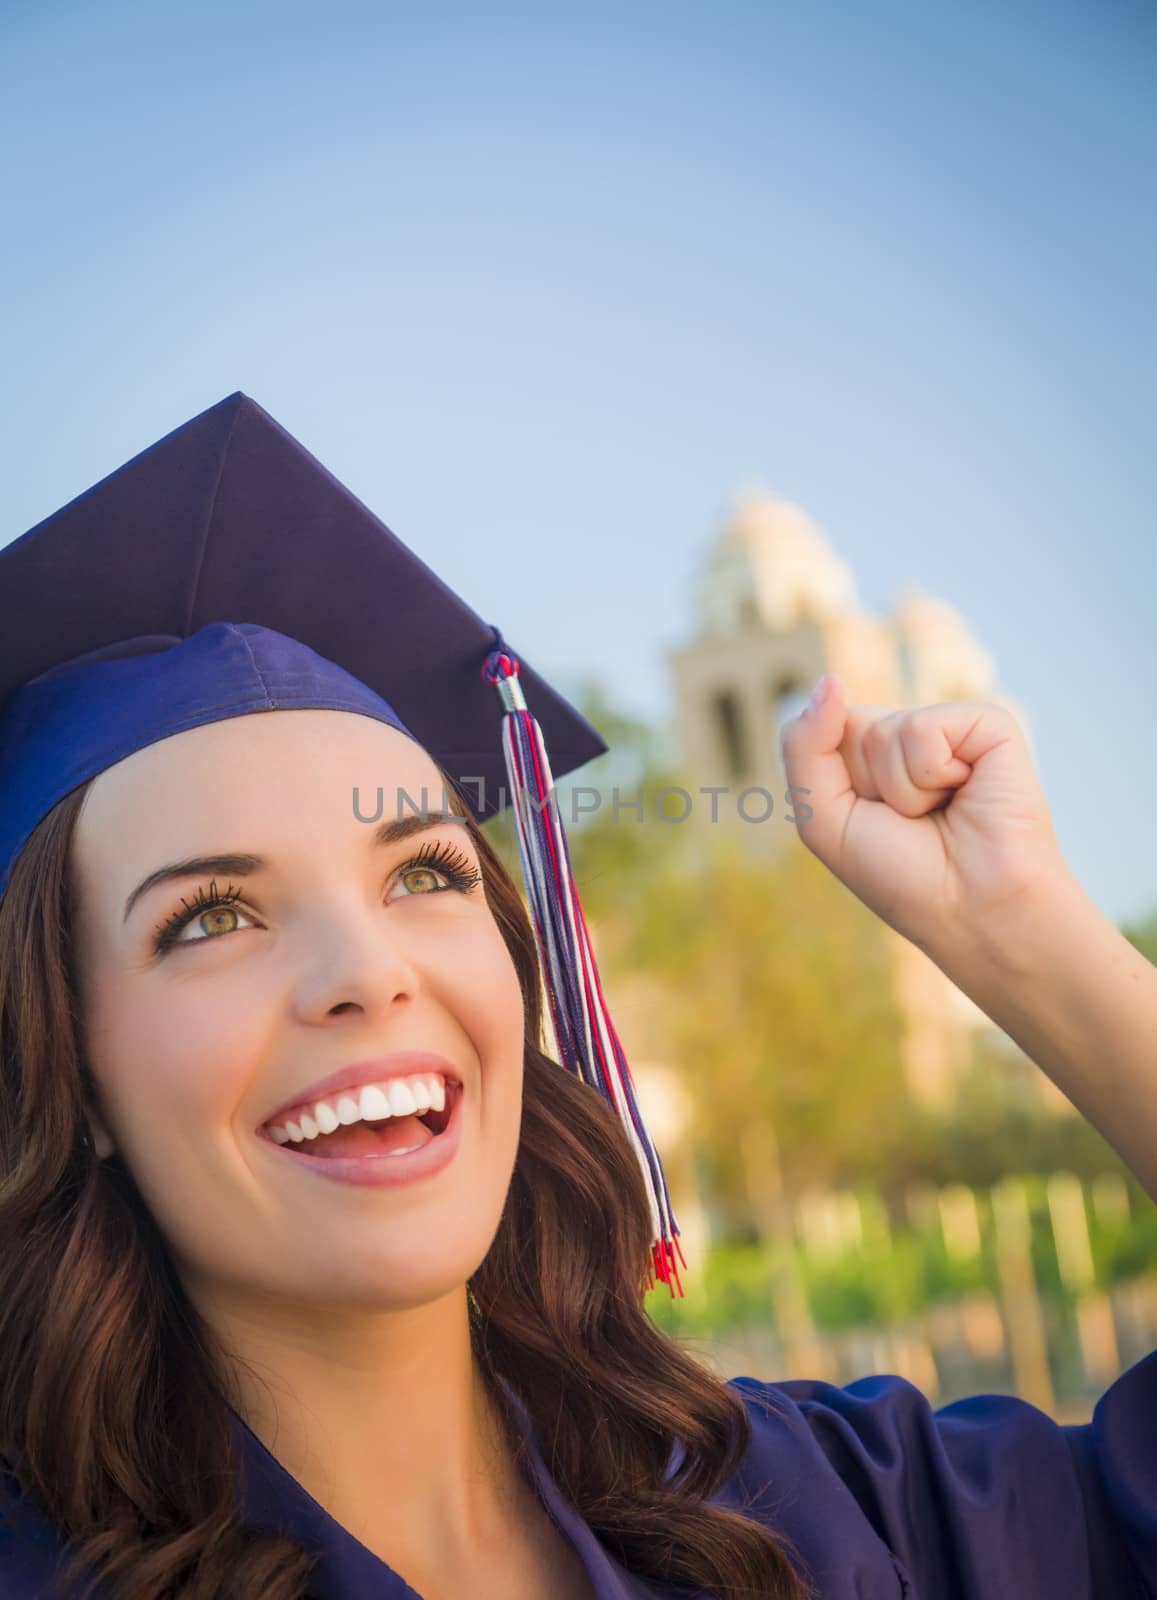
<point>587,1043</point>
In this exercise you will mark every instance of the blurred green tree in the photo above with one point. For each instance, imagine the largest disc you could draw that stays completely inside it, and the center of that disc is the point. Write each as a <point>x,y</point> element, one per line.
<point>776,1004</point>
<point>1143,937</point>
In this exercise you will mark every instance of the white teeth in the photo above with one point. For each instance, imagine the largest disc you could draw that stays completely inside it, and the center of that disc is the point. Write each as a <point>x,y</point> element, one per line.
<point>395,1097</point>
<point>373,1104</point>
<point>402,1102</point>
<point>327,1119</point>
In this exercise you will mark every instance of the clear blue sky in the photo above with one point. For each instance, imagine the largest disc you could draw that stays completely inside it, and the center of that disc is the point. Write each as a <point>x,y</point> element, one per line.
<point>545,284</point>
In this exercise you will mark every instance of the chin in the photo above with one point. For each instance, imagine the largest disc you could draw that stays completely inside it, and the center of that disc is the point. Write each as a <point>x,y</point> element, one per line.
<point>415,1274</point>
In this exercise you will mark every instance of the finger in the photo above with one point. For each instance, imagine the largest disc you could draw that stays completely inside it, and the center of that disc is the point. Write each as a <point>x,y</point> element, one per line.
<point>911,759</point>
<point>859,720</point>
<point>932,763</point>
<point>820,787</point>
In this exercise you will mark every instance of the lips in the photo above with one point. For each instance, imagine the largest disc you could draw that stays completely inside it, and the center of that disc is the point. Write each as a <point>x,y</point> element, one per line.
<point>398,1064</point>
<point>377,1137</point>
<point>380,1171</point>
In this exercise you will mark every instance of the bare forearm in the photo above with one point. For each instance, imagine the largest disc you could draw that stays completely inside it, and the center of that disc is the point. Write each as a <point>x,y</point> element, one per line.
<point>1081,1002</point>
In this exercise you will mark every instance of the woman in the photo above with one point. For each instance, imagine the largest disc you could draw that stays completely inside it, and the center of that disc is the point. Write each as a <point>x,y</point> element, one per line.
<point>317,1275</point>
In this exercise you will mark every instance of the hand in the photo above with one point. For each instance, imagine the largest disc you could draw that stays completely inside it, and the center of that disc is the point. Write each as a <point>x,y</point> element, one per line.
<point>933,818</point>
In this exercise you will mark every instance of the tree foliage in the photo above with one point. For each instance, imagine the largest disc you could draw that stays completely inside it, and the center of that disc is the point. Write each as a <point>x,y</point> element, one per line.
<point>771,995</point>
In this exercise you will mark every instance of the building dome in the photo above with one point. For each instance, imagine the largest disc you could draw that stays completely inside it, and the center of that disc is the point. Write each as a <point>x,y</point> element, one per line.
<point>942,656</point>
<point>772,567</point>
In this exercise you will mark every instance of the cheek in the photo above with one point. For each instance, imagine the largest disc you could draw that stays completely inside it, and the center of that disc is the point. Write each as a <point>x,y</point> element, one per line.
<point>493,999</point>
<point>165,1062</point>
<point>482,991</point>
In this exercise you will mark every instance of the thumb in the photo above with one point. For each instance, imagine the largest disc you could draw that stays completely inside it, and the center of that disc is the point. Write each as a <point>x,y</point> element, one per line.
<point>820,787</point>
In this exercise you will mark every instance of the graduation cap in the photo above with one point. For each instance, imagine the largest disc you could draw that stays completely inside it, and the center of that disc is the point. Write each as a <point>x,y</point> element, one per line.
<point>224,571</point>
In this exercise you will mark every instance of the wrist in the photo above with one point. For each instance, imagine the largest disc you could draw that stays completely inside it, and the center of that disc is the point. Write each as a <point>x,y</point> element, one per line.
<point>1062,981</point>
<point>1026,941</point>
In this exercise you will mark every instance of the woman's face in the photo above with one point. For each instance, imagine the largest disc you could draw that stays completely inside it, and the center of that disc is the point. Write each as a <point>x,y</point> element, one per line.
<point>334,952</point>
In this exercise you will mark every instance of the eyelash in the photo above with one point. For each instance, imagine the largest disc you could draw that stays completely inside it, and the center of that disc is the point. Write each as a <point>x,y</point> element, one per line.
<point>452,864</point>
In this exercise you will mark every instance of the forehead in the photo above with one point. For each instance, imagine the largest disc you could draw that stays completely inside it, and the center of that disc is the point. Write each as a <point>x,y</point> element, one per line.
<point>284,774</point>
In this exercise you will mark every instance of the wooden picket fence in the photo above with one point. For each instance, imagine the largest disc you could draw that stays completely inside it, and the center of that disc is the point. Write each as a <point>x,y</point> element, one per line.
<point>1049,1291</point>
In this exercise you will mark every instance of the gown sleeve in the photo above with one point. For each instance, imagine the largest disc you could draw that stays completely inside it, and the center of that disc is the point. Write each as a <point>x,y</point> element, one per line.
<point>31,1551</point>
<point>985,1499</point>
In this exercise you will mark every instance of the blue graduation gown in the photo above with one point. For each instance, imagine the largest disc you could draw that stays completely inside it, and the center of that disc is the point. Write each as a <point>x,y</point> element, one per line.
<point>886,1499</point>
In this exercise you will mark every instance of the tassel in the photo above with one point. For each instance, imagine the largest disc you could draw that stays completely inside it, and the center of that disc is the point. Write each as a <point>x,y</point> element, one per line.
<point>587,1043</point>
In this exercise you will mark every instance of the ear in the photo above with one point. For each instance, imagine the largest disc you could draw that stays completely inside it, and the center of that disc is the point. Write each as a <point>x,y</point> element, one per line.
<point>99,1134</point>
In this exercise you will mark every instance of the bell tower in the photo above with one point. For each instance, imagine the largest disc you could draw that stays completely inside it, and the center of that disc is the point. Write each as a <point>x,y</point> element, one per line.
<point>776,609</point>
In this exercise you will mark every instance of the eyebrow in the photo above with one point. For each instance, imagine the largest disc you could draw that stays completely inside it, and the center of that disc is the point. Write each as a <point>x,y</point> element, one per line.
<point>243,864</point>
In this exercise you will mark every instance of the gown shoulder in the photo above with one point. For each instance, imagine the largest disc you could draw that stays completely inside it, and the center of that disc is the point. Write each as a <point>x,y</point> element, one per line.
<point>985,1499</point>
<point>31,1550</point>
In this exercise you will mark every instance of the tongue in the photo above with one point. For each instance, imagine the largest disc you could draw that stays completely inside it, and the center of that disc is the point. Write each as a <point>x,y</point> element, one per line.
<point>370,1139</point>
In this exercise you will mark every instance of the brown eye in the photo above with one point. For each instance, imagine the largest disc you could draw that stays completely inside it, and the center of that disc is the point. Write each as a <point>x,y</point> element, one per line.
<point>213,913</point>
<point>435,870</point>
<point>422,880</point>
<point>212,923</point>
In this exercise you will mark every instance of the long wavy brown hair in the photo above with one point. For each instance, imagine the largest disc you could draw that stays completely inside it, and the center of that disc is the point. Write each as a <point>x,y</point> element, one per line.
<point>114,1404</point>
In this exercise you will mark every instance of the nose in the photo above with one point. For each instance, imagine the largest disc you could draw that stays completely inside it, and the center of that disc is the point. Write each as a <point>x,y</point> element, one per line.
<point>353,960</point>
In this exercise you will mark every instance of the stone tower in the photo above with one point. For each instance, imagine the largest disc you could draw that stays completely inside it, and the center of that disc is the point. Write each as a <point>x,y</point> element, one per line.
<point>776,609</point>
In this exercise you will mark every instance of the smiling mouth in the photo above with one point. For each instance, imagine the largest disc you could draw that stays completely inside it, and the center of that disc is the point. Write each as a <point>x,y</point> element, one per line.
<point>394,1135</point>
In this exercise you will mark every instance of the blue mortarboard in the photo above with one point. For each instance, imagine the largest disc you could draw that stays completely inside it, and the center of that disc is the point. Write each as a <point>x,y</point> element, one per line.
<point>224,571</point>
